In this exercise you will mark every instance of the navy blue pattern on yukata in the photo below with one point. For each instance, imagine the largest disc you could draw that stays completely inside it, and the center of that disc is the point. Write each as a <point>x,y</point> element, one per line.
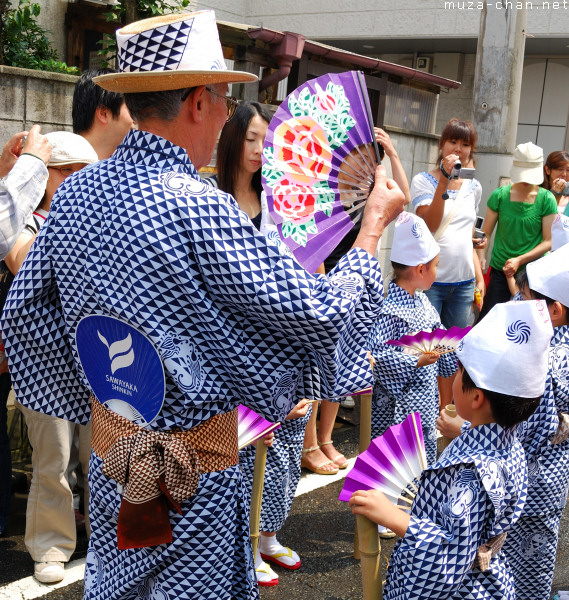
<point>282,472</point>
<point>140,237</point>
<point>531,547</point>
<point>401,388</point>
<point>474,492</point>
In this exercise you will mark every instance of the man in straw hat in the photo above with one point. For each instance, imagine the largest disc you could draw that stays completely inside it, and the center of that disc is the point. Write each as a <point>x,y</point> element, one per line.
<point>141,246</point>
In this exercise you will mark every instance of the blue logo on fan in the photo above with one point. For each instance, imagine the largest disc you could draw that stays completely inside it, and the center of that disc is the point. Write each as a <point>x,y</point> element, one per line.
<point>417,230</point>
<point>122,366</point>
<point>518,332</point>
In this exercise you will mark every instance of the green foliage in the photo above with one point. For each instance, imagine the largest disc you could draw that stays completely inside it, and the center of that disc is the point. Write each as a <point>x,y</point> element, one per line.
<point>26,44</point>
<point>127,11</point>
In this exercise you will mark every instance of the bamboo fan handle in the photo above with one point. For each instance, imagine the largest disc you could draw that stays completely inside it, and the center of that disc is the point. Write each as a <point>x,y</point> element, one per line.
<point>257,494</point>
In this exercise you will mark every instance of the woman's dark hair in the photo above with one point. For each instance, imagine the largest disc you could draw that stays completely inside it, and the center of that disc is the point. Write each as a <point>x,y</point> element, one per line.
<point>230,147</point>
<point>457,129</point>
<point>555,160</point>
<point>507,410</point>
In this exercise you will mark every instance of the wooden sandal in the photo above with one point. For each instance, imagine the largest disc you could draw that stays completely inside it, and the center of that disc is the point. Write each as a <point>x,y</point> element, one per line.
<point>341,465</point>
<point>318,468</point>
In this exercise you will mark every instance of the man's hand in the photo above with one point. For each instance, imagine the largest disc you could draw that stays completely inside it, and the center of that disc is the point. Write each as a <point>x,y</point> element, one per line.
<point>11,152</point>
<point>385,202</point>
<point>37,144</point>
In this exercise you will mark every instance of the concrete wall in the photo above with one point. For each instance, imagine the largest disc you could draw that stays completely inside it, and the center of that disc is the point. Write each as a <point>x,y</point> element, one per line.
<point>28,97</point>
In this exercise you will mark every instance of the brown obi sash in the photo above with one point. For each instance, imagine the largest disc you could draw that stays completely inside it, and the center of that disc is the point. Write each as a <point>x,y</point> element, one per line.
<point>158,469</point>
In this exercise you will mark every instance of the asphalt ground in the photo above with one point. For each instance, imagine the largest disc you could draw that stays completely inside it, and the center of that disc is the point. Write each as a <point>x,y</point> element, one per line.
<point>320,528</point>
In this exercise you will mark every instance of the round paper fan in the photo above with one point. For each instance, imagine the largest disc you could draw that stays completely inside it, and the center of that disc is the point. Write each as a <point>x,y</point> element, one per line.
<point>319,163</point>
<point>391,463</point>
<point>440,341</point>
<point>251,426</point>
<point>122,366</point>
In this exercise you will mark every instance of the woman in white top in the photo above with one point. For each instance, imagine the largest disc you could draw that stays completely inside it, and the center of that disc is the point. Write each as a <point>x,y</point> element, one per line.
<point>449,207</point>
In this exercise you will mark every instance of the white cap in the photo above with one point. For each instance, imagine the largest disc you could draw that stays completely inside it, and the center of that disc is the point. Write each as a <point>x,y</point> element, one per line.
<point>507,352</point>
<point>69,148</point>
<point>528,164</point>
<point>550,275</point>
<point>559,232</point>
<point>413,243</point>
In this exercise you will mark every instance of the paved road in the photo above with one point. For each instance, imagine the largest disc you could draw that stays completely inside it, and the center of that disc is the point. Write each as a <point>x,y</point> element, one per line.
<point>320,529</point>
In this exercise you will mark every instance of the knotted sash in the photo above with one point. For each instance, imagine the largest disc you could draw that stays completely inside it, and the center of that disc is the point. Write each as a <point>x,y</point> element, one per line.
<point>158,469</point>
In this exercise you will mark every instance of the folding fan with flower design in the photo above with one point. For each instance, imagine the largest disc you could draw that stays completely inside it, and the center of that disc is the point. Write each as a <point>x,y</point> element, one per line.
<point>319,163</point>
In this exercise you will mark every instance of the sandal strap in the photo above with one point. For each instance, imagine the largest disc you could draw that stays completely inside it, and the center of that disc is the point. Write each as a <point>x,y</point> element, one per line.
<point>306,451</point>
<point>287,553</point>
<point>320,444</point>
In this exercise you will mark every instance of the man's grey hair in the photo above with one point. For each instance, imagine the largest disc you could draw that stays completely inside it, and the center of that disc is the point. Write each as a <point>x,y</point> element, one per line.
<point>160,105</point>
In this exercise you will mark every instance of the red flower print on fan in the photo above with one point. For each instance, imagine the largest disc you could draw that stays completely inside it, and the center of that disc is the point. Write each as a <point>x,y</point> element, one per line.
<point>293,202</point>
<point>325,102</point>
<point>305,149</point>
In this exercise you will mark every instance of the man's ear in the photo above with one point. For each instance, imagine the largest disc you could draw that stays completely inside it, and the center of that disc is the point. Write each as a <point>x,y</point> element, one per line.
<point>102,114</point>
<point>194,104</point>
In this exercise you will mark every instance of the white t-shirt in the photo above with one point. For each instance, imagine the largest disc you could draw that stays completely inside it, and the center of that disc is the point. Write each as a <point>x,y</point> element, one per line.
<point>456,264</point>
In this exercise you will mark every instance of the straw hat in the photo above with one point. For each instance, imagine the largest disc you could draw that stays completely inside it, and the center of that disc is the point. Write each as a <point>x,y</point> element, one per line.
<point>413,244</point>
<point>528,164</point>
<point>68,148</point>
<point>170,52</point>
<point>506,352</point>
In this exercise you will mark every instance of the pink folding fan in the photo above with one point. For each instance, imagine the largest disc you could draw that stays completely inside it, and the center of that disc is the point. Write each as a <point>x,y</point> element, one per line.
<point>440,341</point>
<point>251,426</point>
<point>391,463</point>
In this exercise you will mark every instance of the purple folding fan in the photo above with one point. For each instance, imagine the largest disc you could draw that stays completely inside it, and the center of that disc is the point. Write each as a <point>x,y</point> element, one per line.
<point>319,163</point>
<point>391,463</point>
<point>440,341</point>
<point>251,426</point>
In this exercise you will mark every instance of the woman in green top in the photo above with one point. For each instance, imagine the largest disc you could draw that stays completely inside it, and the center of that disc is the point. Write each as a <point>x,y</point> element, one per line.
<point>523,213</point>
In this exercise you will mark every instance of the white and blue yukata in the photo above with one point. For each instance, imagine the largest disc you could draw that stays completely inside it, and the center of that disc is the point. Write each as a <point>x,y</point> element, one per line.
<point>282,472</point>
<point>532,544</point>
<point>400,387</point>
<point>140,237</point>
<point>475,492</point>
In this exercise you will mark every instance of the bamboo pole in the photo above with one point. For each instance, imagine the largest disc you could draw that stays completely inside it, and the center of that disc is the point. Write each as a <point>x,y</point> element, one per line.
<point>365,439</point>
<point>444,441</point>
<point>369,548</point>
<point>257,493</point>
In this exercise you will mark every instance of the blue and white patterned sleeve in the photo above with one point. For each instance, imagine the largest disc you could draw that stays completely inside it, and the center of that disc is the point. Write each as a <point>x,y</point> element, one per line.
<point>442,538</point>
<point>393,367</point>
<point>447,365</point>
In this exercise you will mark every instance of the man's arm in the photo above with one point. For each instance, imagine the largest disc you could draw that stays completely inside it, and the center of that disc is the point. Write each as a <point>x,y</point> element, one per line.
<point>24,186</point>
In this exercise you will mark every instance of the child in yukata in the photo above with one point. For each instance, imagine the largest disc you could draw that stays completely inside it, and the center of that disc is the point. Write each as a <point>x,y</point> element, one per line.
<point>404,382</point>
<point>468,501</point>
<point>532,544</point>
<point>282,474</point>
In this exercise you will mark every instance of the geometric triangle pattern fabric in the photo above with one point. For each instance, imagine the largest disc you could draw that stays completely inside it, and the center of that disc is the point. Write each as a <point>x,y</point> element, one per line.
<point>474,492</point>
<point>548,464</point>
<point>209,549</point>
<point>401,388</point>
<point>140,237</point>
<point>531,546</point>
<point>159,49</point>
<point>282,472</point>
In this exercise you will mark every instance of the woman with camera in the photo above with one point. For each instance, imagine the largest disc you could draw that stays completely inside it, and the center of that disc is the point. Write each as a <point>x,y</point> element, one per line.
<point>556,179</point>
<point>523,213</point>
<point>448,204</point>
